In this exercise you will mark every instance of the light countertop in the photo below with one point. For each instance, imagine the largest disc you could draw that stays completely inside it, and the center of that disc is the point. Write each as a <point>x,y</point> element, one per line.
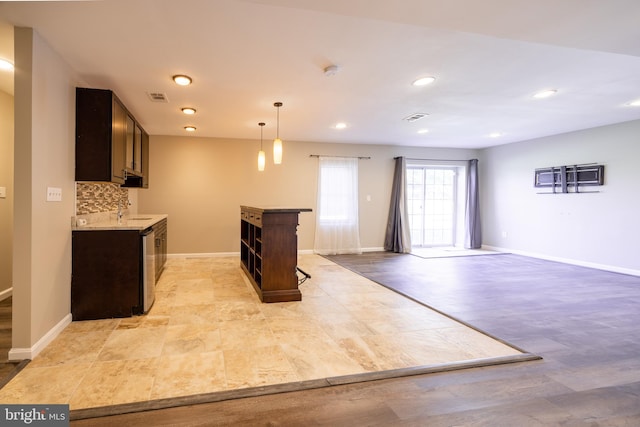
<point>128,222</point>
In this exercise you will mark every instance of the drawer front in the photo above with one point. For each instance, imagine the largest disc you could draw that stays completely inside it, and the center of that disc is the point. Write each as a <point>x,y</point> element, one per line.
<point>252,217</point>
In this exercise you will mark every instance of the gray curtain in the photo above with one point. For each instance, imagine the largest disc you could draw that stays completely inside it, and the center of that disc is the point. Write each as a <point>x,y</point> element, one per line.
<point>473,234</point>
<point>398,237</point>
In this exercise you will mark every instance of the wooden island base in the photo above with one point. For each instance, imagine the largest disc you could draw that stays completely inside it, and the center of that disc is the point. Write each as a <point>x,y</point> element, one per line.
<point>269,251</point>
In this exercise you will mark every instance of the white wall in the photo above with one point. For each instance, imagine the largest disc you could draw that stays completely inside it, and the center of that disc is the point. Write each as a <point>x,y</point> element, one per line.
<point>598,229</point>
<point>44,156</point>
<point>201,183</point>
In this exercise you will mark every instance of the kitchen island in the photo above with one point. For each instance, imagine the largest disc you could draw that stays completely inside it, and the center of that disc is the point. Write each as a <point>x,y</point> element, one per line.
<point>269,251</point>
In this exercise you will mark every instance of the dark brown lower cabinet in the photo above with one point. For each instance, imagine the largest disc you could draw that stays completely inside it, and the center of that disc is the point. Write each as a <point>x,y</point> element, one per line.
<point>106,272</point>
<point>160,230</point>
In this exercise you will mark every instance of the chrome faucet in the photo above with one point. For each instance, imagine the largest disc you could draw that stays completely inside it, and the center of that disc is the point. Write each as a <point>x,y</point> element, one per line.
<point>119,211</point>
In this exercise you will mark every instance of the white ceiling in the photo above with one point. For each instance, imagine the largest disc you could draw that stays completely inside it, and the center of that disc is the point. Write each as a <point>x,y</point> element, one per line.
<point>489,58</point>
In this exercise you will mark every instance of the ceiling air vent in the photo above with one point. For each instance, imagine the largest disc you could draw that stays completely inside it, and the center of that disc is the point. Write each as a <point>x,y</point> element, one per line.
<point>415,116</point>
<point>157,97</point>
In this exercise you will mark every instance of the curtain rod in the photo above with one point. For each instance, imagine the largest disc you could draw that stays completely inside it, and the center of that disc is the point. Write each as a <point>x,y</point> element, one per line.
<point>439,160</point>
<point>348,157</point>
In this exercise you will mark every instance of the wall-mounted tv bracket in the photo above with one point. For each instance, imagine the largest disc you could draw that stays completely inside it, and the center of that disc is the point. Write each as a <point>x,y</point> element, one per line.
<point>569,179</point>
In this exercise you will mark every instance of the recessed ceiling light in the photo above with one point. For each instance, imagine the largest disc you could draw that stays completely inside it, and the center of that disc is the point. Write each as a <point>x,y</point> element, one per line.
<point>189,110</point>
<point>5,65</point>
<point>182,80</point>
<point>423,81</point>
<point>340,125</point>
<point>635,103</point>
<point>545,93</point>
<point>423,131</point>
<point>190,128</point>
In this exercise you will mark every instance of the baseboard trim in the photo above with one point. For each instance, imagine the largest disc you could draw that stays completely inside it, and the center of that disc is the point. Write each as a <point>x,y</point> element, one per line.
<point>202,255</point>
<point>6,294</point>
<point>16,354</point>
<point>605,267</point>
<point>373,250</point>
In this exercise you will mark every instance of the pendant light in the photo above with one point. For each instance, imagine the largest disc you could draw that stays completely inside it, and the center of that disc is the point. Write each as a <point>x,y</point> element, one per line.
<point>261,156</point>
<point>277,143</point>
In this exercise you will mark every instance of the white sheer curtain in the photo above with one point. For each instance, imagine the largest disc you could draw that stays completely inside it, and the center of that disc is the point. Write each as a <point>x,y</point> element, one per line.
<point>337,227</point>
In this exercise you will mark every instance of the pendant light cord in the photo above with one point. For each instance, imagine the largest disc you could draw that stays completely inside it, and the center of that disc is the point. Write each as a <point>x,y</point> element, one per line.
<point>277,105</point>
<point>261,124</point>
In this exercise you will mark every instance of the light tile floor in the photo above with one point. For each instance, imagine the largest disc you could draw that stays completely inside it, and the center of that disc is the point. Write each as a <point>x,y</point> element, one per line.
<point>208,332</point>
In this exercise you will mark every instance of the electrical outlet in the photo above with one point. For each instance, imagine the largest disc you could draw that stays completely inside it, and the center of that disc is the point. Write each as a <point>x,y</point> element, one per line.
<point>3,192</point>
<point>54,194</point>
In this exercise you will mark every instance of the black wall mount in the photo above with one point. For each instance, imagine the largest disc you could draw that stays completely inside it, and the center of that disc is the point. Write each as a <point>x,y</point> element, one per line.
<point>569,179</point>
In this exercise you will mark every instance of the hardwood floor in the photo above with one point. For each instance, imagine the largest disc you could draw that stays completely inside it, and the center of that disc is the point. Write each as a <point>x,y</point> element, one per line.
<point>583,322</point>
<point>5,328</point>
<point>7,369</point>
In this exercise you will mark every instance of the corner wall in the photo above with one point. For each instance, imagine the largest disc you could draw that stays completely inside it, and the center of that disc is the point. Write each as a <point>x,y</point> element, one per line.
<point>6,204</point>
<point>593,229</point>
<point>44,157</point>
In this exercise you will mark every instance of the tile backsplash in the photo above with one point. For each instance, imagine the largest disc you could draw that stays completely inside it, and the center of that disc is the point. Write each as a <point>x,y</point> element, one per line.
<point>96,197</point>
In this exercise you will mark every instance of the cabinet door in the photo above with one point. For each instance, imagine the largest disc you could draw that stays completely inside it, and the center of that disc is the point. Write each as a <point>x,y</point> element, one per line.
<point>137,150</point>
<point>129,150</point>
<point>118,143</point>
<point>161,249</point>
<point>145,159</point>
<point>106,274</point>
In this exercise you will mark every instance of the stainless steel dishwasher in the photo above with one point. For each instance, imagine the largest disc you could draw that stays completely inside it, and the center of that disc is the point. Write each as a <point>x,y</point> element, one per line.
<point>148,268</point>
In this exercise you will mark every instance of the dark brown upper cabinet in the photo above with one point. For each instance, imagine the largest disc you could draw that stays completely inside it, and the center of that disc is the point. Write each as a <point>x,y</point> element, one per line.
<point>137,150</point>
<point>110,145</point>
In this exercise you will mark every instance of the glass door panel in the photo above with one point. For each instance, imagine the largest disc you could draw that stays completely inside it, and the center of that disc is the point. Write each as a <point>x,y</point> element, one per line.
<point>431,205</point>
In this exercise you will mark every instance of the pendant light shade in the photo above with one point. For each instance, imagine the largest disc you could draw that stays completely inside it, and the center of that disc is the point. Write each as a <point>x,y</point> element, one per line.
<point>277,143</point>
<point>277,151</point>
<point>261,155</point>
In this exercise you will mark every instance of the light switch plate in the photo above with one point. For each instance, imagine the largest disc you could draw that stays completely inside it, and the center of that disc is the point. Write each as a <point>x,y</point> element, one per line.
<point>3,192</point>
<point>54,194</point>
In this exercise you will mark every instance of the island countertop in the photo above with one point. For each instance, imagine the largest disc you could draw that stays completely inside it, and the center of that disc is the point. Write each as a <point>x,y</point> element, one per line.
<point>274,209</point>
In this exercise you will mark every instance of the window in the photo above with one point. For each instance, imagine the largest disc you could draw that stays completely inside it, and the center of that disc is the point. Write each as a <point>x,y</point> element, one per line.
<point>337,192</point>
<point>337,226</point>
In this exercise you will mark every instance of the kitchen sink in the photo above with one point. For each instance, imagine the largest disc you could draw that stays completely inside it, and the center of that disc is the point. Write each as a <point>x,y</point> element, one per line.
<point>139,219</point>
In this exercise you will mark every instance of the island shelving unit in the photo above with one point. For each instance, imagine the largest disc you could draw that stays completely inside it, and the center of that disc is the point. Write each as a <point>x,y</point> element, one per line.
<point>269,251</point>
